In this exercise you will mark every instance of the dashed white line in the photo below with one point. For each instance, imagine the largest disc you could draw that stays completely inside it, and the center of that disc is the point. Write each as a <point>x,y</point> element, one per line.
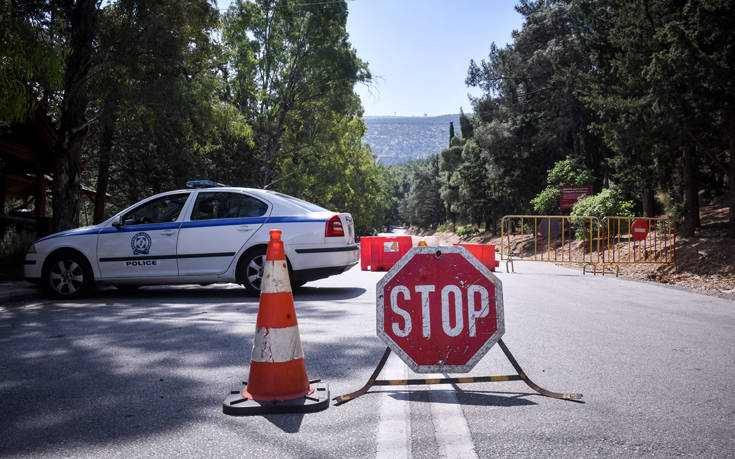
<point>450,426</point>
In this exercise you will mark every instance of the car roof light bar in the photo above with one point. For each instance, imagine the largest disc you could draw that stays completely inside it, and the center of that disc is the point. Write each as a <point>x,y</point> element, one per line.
<point>203,184</point>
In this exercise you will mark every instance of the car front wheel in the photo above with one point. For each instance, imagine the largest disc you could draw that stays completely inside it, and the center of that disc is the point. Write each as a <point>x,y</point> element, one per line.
<point>68,276</point>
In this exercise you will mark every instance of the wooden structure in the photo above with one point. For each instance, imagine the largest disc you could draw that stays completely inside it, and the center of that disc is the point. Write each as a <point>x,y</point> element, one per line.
<point>26,173</point>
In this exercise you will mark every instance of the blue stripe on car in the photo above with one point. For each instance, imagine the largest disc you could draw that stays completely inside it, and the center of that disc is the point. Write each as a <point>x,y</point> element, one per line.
<point>189,224</point>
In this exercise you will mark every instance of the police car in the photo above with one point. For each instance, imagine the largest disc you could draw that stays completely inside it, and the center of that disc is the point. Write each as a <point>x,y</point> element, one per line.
<point>204,234</point>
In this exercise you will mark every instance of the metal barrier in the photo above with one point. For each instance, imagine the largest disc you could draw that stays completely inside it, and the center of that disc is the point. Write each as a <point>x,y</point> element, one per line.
<point>586,240</point>
<point>550,238</point>
<point>637,240</point>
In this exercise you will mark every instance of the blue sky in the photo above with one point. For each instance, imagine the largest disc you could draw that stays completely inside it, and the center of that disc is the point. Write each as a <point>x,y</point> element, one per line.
<point>419,50</point>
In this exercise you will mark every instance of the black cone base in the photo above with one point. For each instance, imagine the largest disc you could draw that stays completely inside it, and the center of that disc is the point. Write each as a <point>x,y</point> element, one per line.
<point>236,405</point>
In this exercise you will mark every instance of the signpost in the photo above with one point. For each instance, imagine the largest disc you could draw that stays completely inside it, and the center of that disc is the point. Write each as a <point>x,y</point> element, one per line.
<point>571,194</point>
<point>440,309</point>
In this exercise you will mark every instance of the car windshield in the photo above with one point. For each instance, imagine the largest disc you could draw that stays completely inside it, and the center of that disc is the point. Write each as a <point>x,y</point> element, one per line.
<point>300,202</point>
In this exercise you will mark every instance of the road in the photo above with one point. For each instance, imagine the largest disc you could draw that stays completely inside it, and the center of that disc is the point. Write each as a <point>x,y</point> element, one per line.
<point>145,373</point>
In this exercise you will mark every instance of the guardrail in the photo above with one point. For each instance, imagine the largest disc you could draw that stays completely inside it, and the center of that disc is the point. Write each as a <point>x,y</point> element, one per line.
<point>588,241</point>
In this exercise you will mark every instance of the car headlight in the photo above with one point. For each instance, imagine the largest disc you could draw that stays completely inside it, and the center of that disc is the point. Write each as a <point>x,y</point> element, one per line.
<point>31,249</point>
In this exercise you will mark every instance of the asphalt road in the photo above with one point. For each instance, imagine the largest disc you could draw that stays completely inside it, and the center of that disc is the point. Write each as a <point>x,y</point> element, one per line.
<point>145,373</point>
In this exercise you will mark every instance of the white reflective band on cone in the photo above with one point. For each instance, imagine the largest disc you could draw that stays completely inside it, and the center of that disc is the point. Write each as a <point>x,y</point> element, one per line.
<point>274,345</point>
<point>275,277</point>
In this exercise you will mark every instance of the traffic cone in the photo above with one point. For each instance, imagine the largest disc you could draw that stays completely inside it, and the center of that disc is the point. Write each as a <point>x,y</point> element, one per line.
<point>278,381</point>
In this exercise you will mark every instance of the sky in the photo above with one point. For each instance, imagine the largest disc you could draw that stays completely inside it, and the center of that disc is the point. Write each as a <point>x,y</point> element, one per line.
<point>419,50</point>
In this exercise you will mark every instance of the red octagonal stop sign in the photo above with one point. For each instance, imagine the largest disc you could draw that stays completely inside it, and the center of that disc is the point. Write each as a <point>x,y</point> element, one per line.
<point>440,309</point>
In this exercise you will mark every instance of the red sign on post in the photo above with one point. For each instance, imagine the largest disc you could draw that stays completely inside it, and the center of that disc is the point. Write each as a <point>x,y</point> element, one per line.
<point>639,229</point>
<point>440,309</point>
<point>571,194</point>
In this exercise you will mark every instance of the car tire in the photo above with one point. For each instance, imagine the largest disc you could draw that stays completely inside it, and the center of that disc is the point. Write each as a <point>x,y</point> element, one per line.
<point>250,270</point>
<point>67,275</point>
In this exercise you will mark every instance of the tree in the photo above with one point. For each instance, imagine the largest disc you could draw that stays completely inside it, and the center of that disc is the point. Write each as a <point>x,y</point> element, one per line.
<point>291,64</point>
<point>153,77</point>
<point>31,58</point>
<point>465,125</point>
<point>451,131</point>
<point>81,15</point>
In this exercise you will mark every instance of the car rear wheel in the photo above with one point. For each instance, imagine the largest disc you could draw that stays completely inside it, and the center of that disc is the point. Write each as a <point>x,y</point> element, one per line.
<point>68,275</point>
<point>250,271</point>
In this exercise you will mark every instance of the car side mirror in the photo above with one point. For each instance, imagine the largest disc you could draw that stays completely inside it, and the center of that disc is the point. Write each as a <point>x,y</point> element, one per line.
<point>117,222</point>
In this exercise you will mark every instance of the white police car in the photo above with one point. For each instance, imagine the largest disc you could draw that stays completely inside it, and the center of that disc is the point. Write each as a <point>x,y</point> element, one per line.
<point>196,235</point>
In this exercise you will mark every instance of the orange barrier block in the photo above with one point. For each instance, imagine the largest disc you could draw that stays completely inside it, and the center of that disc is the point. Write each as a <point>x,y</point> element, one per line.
<point>380,253</point>
<point>483,252</point>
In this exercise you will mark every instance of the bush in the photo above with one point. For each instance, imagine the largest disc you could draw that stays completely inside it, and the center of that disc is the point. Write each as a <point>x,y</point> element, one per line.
<point>607,203</point>
<point>442,228</point>
<point>468,231</point>
<point>547,202</point>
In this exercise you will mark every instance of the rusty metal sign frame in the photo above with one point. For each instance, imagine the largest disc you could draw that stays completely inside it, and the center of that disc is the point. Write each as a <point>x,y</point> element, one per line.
<point>489,343</point>
<point>520,376</point>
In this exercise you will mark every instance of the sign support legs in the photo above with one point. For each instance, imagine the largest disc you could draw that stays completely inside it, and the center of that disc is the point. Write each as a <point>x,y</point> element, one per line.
<point>520,376</point>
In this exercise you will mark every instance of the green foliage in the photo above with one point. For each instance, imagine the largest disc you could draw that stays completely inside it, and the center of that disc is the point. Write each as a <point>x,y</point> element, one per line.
<point>292,66</point>
<point>32,61</point>
<point>608,202</point>
<point>421,204</point>
<point>547,202</point>
<point>571,171</point>
<point>465,125</point>
<point>467,231</point>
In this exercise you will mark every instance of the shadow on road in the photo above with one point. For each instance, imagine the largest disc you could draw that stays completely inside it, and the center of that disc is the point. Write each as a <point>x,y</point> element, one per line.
<point>474,397</point>
<point>126,366</point>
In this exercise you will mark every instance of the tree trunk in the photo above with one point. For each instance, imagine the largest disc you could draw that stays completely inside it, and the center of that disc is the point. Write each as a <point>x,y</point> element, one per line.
<point>649,203</point>
<point>73,130</point>
<point>731,171</point>
<point>103,169</point>
<point>691,197</point>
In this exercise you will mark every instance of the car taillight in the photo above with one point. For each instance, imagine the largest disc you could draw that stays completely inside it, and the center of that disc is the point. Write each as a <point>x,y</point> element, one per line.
<point>334,227</point>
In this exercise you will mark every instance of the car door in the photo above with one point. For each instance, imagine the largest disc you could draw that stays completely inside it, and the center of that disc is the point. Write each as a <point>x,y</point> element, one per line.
<point>144,243</point>
<point>221,222</point>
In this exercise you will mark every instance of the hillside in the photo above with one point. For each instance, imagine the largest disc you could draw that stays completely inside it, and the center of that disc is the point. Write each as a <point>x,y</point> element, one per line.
<point>397,139</point>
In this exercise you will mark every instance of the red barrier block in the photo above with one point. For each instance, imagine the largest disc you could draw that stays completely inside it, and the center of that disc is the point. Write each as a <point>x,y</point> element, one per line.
<point>483,252</point>
<point>380,253</point>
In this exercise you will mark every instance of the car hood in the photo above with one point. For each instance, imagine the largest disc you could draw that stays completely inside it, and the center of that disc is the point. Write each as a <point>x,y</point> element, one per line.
<point>74,232</point>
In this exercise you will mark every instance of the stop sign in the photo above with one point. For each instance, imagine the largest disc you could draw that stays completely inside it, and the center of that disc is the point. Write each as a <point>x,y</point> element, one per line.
<point>440,309</point>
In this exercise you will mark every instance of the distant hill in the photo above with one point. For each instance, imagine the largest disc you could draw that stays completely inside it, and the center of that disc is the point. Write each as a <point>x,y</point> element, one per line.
<point>397,139</point>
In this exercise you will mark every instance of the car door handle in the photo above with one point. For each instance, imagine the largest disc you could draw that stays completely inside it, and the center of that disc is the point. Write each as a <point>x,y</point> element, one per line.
<point>168,233</point>
<point>244,228</point>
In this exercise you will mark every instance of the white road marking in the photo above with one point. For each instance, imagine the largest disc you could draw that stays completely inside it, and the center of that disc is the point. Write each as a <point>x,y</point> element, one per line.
<point>450,426</point>
<point>394,427</point>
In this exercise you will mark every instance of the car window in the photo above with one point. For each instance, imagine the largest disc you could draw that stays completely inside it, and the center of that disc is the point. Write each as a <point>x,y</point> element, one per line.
<point>300,202</point>
<point>211,205</point>
<point>160,210</point>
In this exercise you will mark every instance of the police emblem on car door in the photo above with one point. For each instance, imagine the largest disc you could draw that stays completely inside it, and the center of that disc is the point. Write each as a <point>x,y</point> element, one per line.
<point>144,242</point>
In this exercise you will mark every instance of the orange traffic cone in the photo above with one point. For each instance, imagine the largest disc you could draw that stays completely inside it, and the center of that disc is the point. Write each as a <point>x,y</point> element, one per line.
<point>278,380</point>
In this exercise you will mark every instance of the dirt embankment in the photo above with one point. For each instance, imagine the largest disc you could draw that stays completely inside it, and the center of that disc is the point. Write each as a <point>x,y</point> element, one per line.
<point>705,262</point>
